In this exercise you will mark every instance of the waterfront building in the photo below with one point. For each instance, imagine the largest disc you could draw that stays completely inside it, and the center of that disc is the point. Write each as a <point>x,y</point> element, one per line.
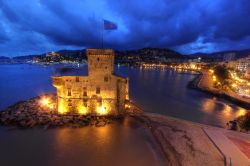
<point>229,56</point>
<point>240,64</point>
<point>53,57</point>
<point>247,72</point>
<point>101,92</point>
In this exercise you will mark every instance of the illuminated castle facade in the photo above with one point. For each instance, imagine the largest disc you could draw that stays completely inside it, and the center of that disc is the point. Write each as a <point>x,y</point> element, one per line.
<point>100,93</point>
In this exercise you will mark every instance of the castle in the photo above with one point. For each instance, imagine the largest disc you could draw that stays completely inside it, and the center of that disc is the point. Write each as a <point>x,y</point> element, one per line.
<point>100,93</point>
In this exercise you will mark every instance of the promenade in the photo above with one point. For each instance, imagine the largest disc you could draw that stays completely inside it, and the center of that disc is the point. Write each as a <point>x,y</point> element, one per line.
<point>206,83</point>
<point>189,143</point>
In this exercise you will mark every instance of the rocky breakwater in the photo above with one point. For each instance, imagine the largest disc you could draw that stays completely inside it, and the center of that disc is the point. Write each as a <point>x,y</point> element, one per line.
<point>30,113</point>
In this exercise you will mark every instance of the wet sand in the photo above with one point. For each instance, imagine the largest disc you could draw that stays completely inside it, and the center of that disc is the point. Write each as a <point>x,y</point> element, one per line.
<point>182,142</point>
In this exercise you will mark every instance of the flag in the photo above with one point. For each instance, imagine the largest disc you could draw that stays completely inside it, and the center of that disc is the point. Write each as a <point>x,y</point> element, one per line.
<point>108,25</point>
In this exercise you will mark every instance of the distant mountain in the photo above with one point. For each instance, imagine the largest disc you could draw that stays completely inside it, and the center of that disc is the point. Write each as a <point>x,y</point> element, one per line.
<point>4,58</point>
<point>219,55</point>
<point>160,52</point>
<point>147,53</point>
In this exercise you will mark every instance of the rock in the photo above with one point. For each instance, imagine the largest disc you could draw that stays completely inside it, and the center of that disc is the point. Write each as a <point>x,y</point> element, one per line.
<point>92,122</point>
<point>57,121</point>
<point>46,127</point>
<point>109,121</point>
<point>75,125</point>
<point>88,117</point>
<point>65,120</point>
<point>22,123</point>
<point>21,117</point>
<point>30,114</point>
<point>82,124</point>
<point>100,123</point>
<point>31,123</point>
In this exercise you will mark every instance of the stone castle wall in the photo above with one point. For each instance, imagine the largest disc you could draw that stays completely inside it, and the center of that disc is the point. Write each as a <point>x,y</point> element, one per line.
<point>101,92</point>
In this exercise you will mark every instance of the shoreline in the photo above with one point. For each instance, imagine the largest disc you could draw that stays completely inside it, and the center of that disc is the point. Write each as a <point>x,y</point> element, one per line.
<point>30,114</point>
<point>179,141</point>
<point>195,84</point>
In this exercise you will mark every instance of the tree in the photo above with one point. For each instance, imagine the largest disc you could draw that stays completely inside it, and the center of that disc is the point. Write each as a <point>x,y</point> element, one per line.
<point>222,75</point>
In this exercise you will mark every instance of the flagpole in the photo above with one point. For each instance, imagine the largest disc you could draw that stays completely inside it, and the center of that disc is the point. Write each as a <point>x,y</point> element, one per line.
<point>102,33</point>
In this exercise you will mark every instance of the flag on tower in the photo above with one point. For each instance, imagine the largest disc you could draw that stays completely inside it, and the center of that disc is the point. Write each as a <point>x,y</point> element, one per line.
<point>108,25</point>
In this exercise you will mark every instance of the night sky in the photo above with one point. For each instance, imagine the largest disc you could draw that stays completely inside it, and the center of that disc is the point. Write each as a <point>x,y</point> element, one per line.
<point>188,26</point>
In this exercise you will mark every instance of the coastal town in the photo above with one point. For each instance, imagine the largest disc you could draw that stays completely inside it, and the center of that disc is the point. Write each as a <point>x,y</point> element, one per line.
<point>228,73</point>
<point>102,98</point>
<point>124,83</point>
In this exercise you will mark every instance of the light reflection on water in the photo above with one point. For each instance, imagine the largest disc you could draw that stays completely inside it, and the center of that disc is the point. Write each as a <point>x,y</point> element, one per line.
<point>157,91</point>
<point>121,143</point>
<point>224,112</point>
<point>165,92</point>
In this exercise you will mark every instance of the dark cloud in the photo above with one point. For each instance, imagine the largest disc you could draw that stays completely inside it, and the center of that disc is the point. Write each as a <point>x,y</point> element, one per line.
<point>201,25</point>
<point>3,36</point>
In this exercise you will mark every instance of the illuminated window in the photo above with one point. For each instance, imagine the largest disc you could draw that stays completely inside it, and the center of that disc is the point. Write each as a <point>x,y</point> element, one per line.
<point>98,90</point>
<point>84,93</point>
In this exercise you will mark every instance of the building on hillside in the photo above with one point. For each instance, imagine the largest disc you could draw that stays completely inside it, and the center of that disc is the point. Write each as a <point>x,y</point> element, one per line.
<point>229,56</point>
<point>53,57</point>
<point>247,72</point>
<point>240,64</point>
<point>100,93</point>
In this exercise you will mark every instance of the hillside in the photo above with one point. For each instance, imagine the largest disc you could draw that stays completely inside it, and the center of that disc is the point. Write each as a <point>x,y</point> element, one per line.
<point>219,55</point>
<point>145,54</point>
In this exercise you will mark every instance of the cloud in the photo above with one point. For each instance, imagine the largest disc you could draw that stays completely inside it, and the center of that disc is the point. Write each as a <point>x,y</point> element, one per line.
<point>35,26</point>
<point>3,36</point>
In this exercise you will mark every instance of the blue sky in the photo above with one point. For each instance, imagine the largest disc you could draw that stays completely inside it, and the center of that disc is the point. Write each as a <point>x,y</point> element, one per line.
<point>37,26</point>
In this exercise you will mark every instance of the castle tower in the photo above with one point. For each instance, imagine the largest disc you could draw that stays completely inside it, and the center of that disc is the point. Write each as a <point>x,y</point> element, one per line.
<point>100,62</point>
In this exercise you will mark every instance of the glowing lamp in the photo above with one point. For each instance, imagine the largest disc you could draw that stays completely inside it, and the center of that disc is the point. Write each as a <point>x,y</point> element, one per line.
<point>214,78</point>
<point>241,112</point>
<point>102,110</point>
<point>45,101</point>
<point>51,106</point>
<point>61,108</point>
<point>234,85</point>
<point>82,110</point>
<point>211,71</point>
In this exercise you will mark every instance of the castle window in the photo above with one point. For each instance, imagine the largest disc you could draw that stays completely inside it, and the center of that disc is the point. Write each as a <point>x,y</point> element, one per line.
<point>98,90</point>
<point>106,79</point>
<point>84,91</point>
<point>69,92</point>
<point>98,59</point>
<point>99,101</point>
<point>77,79</point>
